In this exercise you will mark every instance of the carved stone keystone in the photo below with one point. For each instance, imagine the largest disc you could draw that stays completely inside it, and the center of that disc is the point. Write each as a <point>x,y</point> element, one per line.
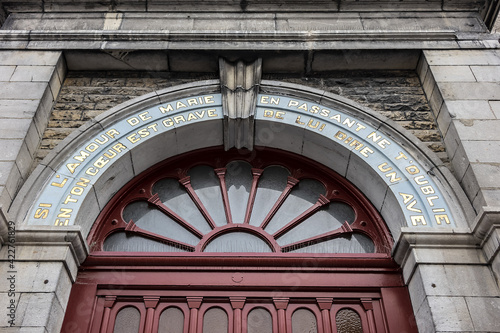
<point>239,86</point>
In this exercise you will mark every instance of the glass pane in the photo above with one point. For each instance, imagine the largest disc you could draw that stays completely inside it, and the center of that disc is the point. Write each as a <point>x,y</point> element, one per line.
<point>330,218</point>
<point>207,186</point>
<point>151,219</point>
<point>215,321</point>
<point>272,182</point>
<point>303,196</point>
<point>171,321</point>
<point>304,321</point>
<point>175,197</point>
<point>357,243</point>
<point>237,242</point>
<point>259,321</point>
<point>127,320</point>
<point>239,183</point>
<point>348,321</point>
<point>121,242</point>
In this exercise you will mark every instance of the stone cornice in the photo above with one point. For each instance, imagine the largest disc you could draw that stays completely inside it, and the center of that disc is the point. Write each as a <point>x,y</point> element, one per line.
<point>70,236</point>
<point>238,40</point>
<point>435,239</point>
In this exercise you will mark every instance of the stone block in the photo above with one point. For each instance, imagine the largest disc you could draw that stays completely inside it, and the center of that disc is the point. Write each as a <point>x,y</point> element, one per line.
<point>470,109</point>
<point>428,84</point>
<point>29,58</point>
<point>40,309</point>
<point>470,184</point>
<point>462,57</point>
<point>230,22</point>
<point>319,22</point>
<point>5,171</point>
<point>487,174</point>
<point>416,289</point>
<point>436,100</point>
<point>193,62</point>
<point>451,140</point>
<point>422,68</point>
<point>482,151</point>
<point>477,130</point>
<point>24,161</point>
<point>10,149</point>
<point>5,301</point>
<point>484,312</point>
<point>25,108</point>
<point>6,73</point>
<point>155,150</point>
<point>487,73</point>
<point>361,174</point>
<point>87,215</point>
<point>446,255</point>
<point>487,197</point>
<point>269,134</point>
<point>423,317</point>
<point>22,90</point>
<point>453,74</point>
<point>450,313</point>
<point>199,135</point>
<point>460,161</point>
<point>284,63</point>
<point>33,138</point>
<point>55,85</point>
<point>5,196</point>
<point>495,107</point>
<point>443,119</point>
<point>458,280</point>
<point>358,60</point>
<point>14,128</point>
<point>42,277</point>
<point>117,60</point>
<point>32,73</point>
<point>468,91</point>
<point>114,178</point>
<point>322,150</point>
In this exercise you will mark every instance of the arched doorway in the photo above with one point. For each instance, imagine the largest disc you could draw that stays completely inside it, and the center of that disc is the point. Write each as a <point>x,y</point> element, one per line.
<point>239,241</point>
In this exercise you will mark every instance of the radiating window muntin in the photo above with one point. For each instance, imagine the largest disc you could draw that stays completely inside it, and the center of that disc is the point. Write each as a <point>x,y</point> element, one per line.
<point>272,203</point>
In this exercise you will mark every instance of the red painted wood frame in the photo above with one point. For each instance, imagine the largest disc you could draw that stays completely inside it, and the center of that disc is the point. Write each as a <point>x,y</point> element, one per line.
<point>193,282</point>
<point>367,220</point>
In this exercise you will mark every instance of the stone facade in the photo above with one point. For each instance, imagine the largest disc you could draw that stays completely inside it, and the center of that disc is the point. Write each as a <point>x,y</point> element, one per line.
<point>432,67</point>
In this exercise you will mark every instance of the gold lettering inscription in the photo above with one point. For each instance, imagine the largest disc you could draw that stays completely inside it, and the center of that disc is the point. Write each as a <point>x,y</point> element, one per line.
<point>65,213</point>
<point>430,199</point>
<point>61,184</point>
<point>42,213</point>
<point>442,217</point>
<point>61,223</point>
<point>418,219</point>
<point>139,118</point>
<point>401,155</point>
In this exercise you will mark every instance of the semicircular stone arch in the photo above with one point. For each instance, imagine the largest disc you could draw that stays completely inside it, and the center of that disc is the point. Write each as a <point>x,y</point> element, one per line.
<point>397,173</point>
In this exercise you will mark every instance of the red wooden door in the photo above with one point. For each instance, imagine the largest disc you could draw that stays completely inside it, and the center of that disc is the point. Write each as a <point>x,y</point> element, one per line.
<point>217,241</point>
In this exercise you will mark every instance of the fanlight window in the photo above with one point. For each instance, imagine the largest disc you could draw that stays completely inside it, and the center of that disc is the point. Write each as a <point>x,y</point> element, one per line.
<point>270,202</point>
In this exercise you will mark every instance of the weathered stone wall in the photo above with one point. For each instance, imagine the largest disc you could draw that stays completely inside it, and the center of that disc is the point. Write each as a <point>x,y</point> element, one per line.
<point>397,95</point>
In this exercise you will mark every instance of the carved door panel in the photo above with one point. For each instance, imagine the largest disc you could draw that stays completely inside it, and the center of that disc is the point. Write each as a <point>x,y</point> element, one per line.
<point>244,312</point>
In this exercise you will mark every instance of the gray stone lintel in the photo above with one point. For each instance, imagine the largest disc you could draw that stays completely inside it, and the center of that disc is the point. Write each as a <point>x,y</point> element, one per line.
<point>437,246</point>
<point>486,227</point>
<point>67,238</point>
<point>240,84</point>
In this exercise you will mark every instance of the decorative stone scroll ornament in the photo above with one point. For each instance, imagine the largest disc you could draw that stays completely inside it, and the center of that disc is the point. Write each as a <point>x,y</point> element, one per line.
<point>239,86</point>
<point>417,196</point>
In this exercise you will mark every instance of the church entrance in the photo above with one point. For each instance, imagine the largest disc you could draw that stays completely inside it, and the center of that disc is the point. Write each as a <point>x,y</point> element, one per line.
<point>239,241</point>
